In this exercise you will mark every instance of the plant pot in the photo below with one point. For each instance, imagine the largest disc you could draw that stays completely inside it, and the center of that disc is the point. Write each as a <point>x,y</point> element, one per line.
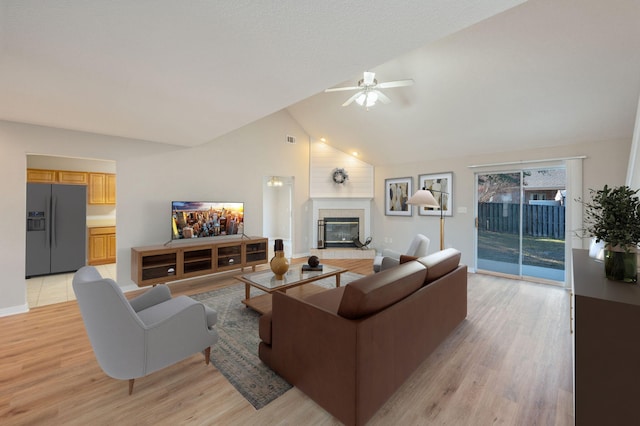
<point>620,265</point>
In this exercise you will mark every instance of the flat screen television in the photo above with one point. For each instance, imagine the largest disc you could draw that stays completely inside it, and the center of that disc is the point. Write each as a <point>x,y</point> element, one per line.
<point>204,219</point>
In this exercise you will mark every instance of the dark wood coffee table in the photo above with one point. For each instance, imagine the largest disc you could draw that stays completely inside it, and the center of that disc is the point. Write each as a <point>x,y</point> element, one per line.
<point>295,277</point>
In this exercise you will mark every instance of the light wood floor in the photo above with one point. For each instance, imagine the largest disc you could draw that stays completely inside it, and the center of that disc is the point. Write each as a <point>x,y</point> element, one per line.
<point>508,363</point>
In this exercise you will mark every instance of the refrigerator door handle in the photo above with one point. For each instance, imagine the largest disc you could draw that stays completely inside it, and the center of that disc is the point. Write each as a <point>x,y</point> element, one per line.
<point>54,201</point>
<point>47,224</point>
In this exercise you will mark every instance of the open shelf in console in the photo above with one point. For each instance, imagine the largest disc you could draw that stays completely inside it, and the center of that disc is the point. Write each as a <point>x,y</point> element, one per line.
<point>229,256</point>
<point>197,261</point>
<point>158,266</point>
<point>256,252</point>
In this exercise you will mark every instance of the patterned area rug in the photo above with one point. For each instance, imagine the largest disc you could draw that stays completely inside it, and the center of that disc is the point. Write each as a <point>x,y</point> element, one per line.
<point>235,355</point>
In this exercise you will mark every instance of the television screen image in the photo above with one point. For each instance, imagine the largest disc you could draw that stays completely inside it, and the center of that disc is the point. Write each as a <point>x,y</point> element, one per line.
<point>198,219</point>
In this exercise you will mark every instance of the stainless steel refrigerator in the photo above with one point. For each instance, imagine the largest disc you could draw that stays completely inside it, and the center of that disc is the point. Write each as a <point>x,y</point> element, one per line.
<point>56,228</point>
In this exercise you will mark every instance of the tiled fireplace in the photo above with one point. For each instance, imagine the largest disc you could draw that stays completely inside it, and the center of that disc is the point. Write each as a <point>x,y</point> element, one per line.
<point>341,210</point>
<point>338,232</point>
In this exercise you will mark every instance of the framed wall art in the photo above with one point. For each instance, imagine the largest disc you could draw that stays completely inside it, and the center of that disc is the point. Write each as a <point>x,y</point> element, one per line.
<point>441,186</point>
<point>397,191</point>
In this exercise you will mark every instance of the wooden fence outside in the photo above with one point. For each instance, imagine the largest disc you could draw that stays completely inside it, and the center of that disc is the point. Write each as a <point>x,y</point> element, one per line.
<point>537,220</point>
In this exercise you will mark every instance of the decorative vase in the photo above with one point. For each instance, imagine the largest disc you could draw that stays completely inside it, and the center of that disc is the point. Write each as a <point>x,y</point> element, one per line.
<point>620,265</point>
<point>279,264</point>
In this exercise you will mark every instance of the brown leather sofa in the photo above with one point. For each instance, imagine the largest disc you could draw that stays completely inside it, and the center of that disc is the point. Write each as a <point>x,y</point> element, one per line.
<point>350,348</point>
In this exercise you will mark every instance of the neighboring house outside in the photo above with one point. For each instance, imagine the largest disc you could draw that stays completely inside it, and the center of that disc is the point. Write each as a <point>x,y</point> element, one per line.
<point>545,187</point>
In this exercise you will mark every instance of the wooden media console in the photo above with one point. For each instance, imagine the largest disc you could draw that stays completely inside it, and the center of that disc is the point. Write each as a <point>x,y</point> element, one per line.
<point>152,265</point>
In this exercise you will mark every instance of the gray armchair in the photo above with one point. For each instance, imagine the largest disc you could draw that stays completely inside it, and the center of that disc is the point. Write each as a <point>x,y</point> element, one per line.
<point>134,338</point>
<point>419,247</point>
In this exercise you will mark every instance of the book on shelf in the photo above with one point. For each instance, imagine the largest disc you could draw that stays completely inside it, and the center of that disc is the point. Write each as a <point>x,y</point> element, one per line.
<point>306,267</point>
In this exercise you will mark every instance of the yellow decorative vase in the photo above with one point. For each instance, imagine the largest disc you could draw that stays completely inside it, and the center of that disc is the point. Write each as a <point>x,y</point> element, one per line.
<point>279,264</point>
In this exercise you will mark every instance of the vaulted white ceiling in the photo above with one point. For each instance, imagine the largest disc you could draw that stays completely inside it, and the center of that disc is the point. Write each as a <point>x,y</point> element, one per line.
<point>489,75</point>
<point>541,74</point>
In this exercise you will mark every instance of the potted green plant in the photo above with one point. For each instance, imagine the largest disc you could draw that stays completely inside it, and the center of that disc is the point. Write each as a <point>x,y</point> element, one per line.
<point>613,216</point>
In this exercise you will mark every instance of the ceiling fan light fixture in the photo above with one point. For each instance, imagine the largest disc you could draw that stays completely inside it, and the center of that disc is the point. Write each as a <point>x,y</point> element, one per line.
<point>372,98</point>
<point>367,90</point>
<point>367,99</point>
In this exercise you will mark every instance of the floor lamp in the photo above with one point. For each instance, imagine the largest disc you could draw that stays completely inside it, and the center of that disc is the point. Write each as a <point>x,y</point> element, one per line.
<point>424,197</point>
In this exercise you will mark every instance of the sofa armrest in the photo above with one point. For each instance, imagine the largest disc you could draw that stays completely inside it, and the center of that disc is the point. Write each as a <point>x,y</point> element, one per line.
<point>317,355</point>
<point>153,296</point>
<point>391,253</point>
<point>387,259</point>
<point>389,262</point>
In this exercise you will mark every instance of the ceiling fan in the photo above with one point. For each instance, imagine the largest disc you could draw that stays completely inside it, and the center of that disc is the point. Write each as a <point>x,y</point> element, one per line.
<point>368,93</point>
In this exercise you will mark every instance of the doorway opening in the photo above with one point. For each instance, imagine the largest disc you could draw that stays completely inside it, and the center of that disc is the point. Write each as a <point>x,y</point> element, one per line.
<point>277,211</point>
<point>100,217</point>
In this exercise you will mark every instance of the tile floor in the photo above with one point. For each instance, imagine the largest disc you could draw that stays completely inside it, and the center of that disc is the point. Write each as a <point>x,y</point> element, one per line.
<point>57,288</point>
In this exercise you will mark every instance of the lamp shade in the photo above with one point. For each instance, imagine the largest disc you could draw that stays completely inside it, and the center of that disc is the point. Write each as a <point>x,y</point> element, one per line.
<point>424,197</point>
<point>367,98</point>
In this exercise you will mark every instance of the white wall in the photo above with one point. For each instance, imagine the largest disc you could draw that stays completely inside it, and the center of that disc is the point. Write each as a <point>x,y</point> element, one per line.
<point>70,163</point>
<point>231,168</point>
<point>324,160</point>
<point>606,162</point>
<point>633,171</point>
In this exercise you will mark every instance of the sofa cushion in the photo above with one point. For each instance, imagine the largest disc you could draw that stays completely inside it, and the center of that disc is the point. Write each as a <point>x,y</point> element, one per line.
<point>328,300</point>
<point>374,293</point>
<point>440,263</point>
<point>264,328</point>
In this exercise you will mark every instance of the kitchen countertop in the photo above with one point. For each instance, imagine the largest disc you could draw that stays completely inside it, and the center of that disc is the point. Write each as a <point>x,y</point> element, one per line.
<point>98,223</point>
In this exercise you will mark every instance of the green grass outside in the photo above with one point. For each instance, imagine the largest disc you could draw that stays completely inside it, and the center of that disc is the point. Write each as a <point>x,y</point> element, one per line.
<point>537,251</point>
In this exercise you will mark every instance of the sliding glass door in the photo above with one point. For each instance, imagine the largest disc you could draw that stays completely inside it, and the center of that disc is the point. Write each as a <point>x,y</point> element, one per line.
<point>521,223</point>
<point>498,222</point>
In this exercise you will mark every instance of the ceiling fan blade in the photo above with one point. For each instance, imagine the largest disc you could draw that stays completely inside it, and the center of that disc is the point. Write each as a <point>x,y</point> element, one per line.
<point>351,99</point>
<point>398,83</point>
<point>340,89</point>
<point>382,97</point>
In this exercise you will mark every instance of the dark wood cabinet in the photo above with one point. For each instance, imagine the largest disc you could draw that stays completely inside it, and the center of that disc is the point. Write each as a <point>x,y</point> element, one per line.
<point>606,346</point>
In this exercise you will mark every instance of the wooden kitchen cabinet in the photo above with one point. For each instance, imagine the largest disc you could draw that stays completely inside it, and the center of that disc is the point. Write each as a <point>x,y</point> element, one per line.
<point>102,188</point>
<point>110,191</point>
<point>102,245</point>
<point>73,178</point>
<point>56,176</point>
<point>41,176</point>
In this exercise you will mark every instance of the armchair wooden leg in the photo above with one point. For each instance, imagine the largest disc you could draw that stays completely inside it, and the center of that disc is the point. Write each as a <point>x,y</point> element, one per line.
<point>207,355</point>
<point>131,386</point>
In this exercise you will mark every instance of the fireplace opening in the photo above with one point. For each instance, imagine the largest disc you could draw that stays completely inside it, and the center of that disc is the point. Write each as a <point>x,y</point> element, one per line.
<point>341,231</point>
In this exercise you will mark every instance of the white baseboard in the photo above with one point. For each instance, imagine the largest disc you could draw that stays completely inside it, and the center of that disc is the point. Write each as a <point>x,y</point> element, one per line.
<point>13,310</point>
